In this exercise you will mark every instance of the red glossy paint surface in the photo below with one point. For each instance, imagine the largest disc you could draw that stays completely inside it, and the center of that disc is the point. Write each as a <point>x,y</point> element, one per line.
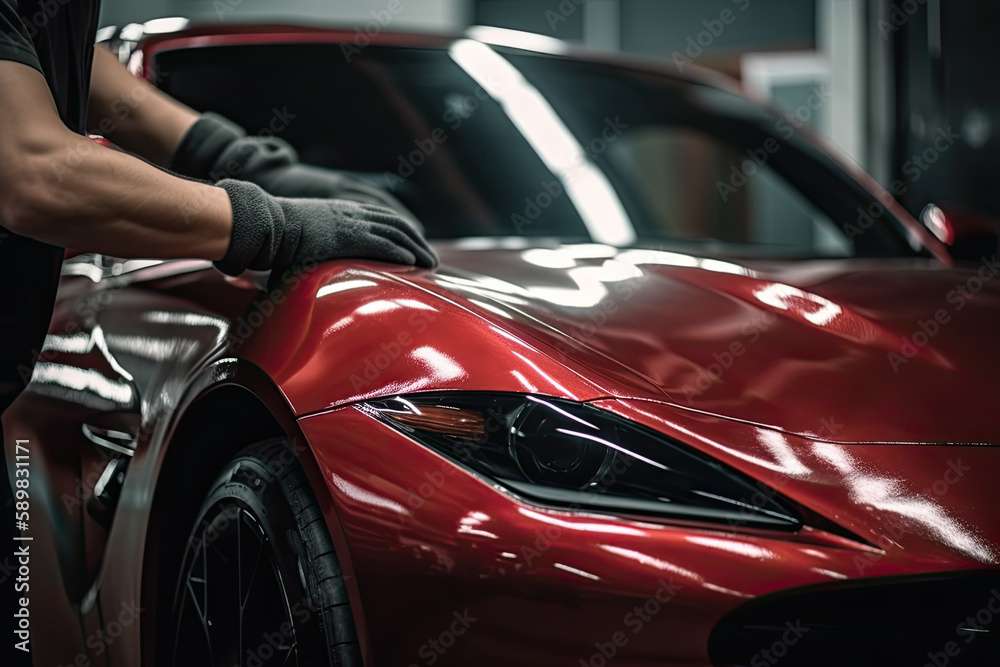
<point>427,539</point>
<point>884,346</point>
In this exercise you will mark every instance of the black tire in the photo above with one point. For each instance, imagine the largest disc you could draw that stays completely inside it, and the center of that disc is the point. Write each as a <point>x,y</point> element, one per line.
<point>291,606</point>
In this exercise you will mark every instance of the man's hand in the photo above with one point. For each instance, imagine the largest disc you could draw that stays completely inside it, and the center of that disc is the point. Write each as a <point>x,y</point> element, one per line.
<point>320,214</point>
<point>215,148</point>
<point>63,189</point>
<point>274,232</point>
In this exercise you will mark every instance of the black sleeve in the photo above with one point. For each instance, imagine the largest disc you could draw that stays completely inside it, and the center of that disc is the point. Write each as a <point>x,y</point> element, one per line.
<point>15,43</point>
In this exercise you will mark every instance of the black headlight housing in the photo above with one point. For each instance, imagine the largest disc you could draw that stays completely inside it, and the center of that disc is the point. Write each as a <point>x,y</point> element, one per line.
<point>571,455</point>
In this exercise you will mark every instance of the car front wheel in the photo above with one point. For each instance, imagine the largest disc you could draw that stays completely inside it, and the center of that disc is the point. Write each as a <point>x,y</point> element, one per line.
<point>259,582</point>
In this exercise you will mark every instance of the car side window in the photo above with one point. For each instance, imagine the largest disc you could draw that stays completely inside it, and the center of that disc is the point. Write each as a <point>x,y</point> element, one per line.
<point>691,186</point>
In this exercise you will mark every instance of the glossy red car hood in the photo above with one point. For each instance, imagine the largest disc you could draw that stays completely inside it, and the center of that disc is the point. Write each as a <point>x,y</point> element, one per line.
<point>899,350</point>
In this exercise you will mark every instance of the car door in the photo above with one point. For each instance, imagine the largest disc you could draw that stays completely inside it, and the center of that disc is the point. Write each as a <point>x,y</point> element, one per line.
<point>79,413</point>
<point>123,339</point>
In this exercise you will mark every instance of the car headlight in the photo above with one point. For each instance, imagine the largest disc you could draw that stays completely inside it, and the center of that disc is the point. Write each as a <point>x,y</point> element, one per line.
<point>574,455</point>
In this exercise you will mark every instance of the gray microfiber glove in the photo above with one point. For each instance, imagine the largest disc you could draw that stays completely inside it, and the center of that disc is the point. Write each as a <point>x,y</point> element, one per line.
<point>275,232</point>
<point>216,148</point>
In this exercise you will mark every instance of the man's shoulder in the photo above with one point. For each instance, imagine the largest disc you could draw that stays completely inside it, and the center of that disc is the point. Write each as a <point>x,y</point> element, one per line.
<point>15,36</point>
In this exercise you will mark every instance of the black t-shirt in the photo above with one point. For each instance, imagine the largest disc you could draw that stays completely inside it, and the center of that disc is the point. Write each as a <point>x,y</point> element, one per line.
<point>56,37</point>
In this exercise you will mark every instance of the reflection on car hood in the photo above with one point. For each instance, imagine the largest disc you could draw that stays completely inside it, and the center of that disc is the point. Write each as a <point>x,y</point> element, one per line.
<point>898,350</point>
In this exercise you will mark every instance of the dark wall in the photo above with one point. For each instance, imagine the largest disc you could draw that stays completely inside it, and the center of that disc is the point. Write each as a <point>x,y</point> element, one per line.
<point>660,27</point>
<point>540,16</point>
<point>663,26</point>
<point>947,86</point>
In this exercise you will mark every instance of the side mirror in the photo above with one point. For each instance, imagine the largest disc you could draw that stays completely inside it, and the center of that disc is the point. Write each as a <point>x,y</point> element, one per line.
<point>970,236</point>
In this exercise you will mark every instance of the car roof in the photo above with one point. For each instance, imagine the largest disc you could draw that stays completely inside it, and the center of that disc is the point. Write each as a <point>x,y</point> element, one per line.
<point>206,34</point>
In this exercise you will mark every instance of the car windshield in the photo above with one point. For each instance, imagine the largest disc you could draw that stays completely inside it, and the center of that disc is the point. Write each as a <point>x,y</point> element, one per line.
<point>481,141</point>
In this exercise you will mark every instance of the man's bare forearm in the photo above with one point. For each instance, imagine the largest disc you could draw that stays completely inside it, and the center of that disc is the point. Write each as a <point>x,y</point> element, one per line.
<point>132,113</point>
<point>111,202</point>
<point>66,190</point>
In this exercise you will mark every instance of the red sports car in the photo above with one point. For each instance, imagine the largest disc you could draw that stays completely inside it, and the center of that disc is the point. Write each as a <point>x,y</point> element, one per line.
<point>687,389</point>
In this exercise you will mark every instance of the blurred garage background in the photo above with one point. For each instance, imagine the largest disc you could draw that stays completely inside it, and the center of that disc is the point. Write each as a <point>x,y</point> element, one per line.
<point>913,96</point>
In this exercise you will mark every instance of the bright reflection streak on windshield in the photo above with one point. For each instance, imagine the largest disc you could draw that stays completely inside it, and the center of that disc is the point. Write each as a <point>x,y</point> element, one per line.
<point>586,185</point>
